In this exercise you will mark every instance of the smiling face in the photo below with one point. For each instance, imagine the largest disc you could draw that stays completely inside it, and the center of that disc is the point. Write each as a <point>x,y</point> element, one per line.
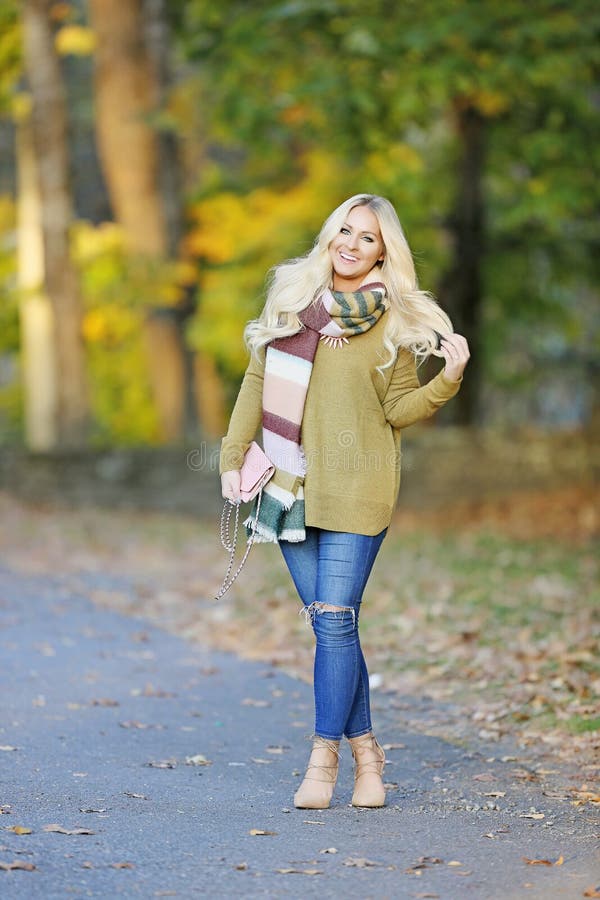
<point>356,249</point>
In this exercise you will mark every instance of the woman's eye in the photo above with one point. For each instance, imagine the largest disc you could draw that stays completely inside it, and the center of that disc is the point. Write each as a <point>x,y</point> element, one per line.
<point>344,231</point>
<point>368,239</point>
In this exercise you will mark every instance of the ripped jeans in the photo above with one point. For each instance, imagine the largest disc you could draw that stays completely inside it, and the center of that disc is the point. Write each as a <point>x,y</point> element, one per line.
<point>333,567</point>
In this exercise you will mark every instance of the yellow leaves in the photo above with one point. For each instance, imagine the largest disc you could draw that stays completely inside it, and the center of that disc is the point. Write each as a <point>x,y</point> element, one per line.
<point>89,241</point>
<point>490,103</point>
<point>259,831</point>
<point>20,829</point>
<point>395,160</point>
<point>75,40</point>
<point>544,862</point>
<point>537,186</point>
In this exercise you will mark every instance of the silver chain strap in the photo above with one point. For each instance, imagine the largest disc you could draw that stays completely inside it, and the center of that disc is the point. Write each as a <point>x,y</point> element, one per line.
<point>230,542</point>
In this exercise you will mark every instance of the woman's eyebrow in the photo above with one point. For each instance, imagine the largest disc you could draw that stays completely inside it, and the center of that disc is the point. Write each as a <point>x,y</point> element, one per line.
<point>345,225</point>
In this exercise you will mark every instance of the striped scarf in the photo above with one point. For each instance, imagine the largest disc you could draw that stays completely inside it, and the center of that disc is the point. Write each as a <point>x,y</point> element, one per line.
<point>333,318</point>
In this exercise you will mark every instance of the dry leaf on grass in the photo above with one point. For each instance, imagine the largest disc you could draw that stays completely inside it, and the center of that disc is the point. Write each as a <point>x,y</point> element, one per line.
<point>255,831</point>
<point>19,829</point>
<point>592,891</point>
<point>241,867</point>
<point>532,815</point>
<point>60,830</point>
<point>122,865</point>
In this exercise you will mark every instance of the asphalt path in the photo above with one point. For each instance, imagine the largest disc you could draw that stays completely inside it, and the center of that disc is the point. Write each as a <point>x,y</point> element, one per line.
<point>136,764</point>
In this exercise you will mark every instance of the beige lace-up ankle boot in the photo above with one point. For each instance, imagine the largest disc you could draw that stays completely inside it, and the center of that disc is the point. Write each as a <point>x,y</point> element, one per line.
<point>369,760</point>
<point>316,790</point>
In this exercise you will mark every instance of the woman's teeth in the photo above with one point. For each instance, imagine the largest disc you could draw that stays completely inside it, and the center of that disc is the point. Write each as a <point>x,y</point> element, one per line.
<point>348,258</point>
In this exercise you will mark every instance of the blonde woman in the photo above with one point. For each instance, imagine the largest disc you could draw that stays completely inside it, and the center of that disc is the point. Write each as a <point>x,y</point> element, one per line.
<point>333,381</point>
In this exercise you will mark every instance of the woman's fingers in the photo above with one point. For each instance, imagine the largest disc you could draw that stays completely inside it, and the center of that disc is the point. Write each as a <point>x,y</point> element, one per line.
<point>230,486</point>
<point>455,350</point>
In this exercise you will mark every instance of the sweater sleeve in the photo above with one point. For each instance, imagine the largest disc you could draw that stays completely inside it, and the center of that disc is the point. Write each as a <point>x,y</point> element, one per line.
<point>245,418</point>
<point>406,401</point>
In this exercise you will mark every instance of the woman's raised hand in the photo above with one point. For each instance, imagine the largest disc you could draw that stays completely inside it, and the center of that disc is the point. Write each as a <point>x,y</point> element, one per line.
<point>455,350</point>
<point>230,485</point>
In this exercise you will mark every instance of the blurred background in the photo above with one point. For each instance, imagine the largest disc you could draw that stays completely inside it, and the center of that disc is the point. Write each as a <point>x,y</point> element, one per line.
<point>156,159</point>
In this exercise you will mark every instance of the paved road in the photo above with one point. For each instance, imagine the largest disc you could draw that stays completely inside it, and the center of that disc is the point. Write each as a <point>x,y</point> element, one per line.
<point>103,712</point>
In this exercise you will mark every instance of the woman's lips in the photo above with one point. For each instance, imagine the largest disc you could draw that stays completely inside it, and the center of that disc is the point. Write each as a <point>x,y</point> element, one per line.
<point>347,257</point>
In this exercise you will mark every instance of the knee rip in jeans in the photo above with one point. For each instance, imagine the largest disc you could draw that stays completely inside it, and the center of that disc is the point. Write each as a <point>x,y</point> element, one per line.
<point>316,609</point>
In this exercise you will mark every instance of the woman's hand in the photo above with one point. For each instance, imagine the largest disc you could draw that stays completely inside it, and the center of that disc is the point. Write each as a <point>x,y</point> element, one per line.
<point>230,485</point>
<point>455,350</point>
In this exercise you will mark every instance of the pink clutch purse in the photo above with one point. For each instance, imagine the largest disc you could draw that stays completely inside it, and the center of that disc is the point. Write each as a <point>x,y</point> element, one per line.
<point>256,470</point>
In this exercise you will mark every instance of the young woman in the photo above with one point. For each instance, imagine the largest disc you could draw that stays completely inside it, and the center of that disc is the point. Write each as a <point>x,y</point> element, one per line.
<point>333,380</point>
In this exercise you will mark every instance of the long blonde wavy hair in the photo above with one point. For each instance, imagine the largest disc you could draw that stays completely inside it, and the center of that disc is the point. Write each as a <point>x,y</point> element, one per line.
<point>413,317</point>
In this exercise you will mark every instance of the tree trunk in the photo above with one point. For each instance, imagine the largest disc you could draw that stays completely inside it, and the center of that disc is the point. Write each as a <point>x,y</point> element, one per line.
<point>38,358</point>
<point>460,291</point>
<point>49,131</point>
<point>127,92</point>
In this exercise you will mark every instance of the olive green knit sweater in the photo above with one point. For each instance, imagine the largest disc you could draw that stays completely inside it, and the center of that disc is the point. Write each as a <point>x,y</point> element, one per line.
<point>351,429</point>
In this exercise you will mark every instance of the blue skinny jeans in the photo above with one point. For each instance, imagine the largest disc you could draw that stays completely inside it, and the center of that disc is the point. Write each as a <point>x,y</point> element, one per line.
<point>333,567</point>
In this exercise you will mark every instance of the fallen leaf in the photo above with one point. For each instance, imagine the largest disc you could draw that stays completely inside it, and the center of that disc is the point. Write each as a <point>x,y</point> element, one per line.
<point>122,865</point>
<point>241,867</point>
<point>60,830</point>
<point>255,831</point>
<point>18,864</point>
<point>87,864</point>
<point>104,701</point>
<point>532,816</point>
<point>136,796</point>
<point>163,764</point>
<point>494,794</point>
<point>198,760</point>
<point>19,829</point>
<point>131,723</point>
<point>454,862</point>
<point>7,747</point>
<point>592,892</point>
<point>299,871</point>
<point>360,862</point>
<point>544,862</point>
<point>151,691</point>
<point>329,850</point>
